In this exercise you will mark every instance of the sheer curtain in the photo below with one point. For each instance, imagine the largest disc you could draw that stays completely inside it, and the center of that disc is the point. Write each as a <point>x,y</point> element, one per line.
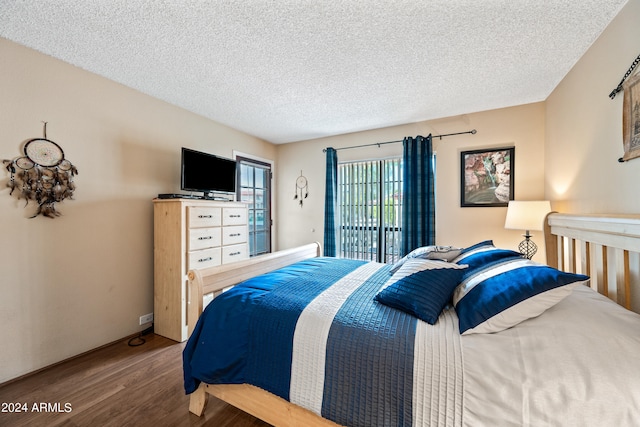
<point>331,203</point>
<point>418,204</point>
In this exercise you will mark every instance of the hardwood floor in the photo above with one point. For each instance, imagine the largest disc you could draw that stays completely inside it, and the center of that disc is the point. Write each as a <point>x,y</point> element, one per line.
<point>118,386</point>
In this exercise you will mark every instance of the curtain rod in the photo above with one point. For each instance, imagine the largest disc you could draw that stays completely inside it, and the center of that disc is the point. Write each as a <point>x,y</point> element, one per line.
<point>473,132</point>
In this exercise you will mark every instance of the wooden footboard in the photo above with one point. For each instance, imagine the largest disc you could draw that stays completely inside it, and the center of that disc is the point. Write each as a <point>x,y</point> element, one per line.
<point>253,400</point>
<point>604,247</point>
<point>260,403</point>
<point>215,279</point>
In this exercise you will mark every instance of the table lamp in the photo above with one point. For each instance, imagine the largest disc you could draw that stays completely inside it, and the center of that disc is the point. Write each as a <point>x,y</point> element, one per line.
<point>527,215</point>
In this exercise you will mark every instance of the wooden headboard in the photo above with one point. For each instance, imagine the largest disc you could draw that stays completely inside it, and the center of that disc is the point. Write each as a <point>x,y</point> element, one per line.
<point>604,247</point>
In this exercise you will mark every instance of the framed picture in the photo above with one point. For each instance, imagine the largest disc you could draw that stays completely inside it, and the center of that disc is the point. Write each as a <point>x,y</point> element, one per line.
<point>631,118</point>
<point>486,177</point>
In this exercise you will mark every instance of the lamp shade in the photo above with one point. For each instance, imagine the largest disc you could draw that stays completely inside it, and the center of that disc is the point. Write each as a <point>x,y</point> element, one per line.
<point>526,215</point>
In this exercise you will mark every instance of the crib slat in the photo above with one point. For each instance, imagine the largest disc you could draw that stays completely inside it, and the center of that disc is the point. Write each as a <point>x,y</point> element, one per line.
<point>585,258</point>
<point>560,257</point>
<point>571,256</point>
<point>606,271</point>
<point>623,282</point>
<point>592,267</point>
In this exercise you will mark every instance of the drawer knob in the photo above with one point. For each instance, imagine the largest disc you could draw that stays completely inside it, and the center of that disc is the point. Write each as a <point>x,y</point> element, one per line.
<point>234,253</point>
<point>205,259</point>
<point>205,216</point>
<point>205,238</point>
<point>234,216</point>
<point>235,234</point>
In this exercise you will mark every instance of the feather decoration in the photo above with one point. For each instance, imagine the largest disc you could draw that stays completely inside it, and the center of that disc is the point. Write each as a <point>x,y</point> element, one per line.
<point>12,185</point>
<point>46,185</point>
<point>42,174</point>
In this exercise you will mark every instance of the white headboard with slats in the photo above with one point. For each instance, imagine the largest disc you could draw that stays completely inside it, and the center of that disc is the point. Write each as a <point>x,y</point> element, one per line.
<point>604,247</point>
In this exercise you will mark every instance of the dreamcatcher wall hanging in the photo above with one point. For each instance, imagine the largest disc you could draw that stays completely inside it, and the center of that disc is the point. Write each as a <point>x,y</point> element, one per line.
<point>302,189</point>
<point>42,175</point>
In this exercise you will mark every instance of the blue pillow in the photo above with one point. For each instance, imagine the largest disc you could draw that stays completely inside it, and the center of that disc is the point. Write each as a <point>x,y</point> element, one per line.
<point>421,288</point>
<point>482,258</point>
<point>478,247</point>
<point>506,291</point>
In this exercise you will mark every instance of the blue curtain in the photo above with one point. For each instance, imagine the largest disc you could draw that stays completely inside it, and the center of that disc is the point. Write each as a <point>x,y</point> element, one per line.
<point>331,203</point>
<point>418,204</point>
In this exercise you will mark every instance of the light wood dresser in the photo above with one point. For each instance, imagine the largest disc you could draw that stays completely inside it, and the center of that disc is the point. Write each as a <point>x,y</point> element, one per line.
<point>191,233</point>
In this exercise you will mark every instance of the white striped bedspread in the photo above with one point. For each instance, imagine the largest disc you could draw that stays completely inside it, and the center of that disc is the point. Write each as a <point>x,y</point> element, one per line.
<point>320,341</point>
<point>435,382</point>
<point>314,335</point>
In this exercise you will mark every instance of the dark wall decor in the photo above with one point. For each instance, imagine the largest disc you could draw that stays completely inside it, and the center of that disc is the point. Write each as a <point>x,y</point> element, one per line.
<point>630,84</point>
<point>42,175</point>
<point>486,177</point>
<point>631,118</point>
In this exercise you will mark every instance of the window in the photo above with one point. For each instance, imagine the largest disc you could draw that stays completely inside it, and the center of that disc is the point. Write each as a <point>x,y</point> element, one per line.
<point>370,209</point>
<point>254,188</point>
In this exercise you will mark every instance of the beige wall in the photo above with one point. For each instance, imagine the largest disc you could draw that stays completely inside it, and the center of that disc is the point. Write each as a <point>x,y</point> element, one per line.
<point>82,280</point>
<point>521,127</point>
<point>584,127</point>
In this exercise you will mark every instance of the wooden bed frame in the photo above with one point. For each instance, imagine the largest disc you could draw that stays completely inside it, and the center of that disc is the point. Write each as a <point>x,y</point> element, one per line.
<point>605,247</point>
<point>252,400</point>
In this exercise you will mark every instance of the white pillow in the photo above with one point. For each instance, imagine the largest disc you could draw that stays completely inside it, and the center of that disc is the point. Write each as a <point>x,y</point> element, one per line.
<point>442,253</point>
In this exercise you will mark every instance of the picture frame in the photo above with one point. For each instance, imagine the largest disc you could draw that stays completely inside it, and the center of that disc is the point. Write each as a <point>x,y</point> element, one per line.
<point>631,118</point>
<point>487,177</point>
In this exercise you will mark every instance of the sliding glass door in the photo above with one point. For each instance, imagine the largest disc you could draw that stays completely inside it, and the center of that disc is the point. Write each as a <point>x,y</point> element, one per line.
<point>254,188</point>
<point>370,209</point>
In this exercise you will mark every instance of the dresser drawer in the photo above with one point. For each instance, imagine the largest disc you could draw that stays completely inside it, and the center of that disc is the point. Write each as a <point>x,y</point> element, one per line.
<point>234,235</point>
<point>204,258</point>
<point>234,216</point>
<point>201,238</point>
<point>202,216</point>
<point>234,253</point>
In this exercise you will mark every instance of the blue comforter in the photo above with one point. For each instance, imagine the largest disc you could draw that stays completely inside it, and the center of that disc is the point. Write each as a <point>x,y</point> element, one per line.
<point>248,335</point>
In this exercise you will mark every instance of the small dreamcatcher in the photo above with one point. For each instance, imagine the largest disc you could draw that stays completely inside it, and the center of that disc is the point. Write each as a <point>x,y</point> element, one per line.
<point>42,175</point>
<point>302,189</point>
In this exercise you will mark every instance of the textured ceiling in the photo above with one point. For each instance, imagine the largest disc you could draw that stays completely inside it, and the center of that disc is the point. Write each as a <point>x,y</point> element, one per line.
<point>300,69</point>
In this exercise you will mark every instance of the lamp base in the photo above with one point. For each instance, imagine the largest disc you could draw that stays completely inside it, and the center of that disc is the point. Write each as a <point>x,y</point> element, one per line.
<point>527,248</point>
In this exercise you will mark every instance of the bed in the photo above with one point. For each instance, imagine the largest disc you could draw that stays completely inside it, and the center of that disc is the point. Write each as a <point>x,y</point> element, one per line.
<point>363,350</point>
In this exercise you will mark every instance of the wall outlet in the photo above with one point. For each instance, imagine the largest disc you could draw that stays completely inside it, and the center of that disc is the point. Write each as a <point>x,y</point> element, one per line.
<point>147,318</point>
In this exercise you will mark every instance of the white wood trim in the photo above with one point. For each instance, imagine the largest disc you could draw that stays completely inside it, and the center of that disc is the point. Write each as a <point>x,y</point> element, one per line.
<point>605,242</point>
<point>621,232</point>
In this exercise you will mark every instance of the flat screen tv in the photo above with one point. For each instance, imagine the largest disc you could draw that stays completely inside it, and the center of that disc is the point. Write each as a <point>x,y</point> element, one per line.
<point>207,173</point>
